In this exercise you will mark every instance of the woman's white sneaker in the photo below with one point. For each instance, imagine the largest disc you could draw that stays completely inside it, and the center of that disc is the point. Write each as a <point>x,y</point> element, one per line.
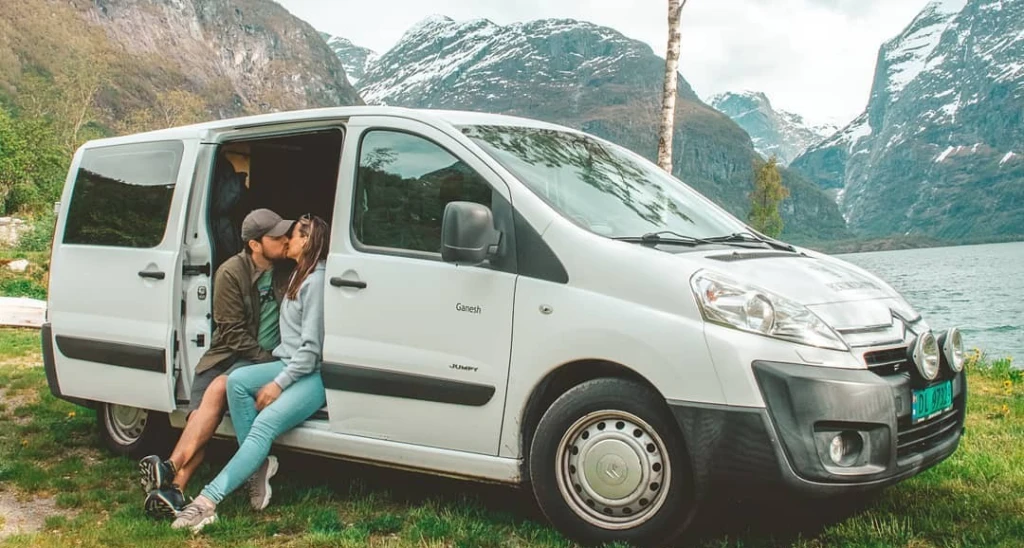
<point>197,514</point>
<point>259,484</point>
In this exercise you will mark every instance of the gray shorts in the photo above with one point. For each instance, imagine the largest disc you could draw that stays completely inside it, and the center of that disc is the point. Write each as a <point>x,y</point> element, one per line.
<point>202,381</point>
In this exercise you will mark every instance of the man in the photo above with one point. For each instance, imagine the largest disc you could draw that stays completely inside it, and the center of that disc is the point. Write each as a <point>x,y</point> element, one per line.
<point>247,290</point>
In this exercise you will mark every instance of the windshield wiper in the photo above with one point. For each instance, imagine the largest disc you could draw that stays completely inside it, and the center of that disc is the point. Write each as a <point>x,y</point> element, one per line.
<point>662,237</point>
<point>752,238</point>
<point>675,238</point>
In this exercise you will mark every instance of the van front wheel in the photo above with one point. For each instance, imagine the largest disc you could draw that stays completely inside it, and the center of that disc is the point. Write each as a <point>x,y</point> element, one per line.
<point>608,464</point>
<point>133,432</point>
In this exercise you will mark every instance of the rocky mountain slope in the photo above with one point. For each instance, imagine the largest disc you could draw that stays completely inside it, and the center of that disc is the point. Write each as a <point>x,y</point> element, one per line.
<point>118,56</point>
<point>354,59</point>
<point>588,77</point>
<point>773,132</point>
<point>939,150</point>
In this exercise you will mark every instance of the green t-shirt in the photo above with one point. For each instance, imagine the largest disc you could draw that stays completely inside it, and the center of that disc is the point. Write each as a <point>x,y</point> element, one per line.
<point>269,334</point>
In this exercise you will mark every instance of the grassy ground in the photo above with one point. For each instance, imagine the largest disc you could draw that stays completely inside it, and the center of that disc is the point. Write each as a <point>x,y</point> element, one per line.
<point>30,283</point>
<point>49,449</point>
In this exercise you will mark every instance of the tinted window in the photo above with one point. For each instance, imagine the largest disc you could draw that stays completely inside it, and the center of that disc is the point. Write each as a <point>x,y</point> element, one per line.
<point>403,185</point>
<point>122,195</point>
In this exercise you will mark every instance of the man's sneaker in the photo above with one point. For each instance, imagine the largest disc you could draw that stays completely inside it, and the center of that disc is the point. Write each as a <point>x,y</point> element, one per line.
<point>165,503</point>
<point>198,514</point>
<point>259,484</point>
<point>155,473</point>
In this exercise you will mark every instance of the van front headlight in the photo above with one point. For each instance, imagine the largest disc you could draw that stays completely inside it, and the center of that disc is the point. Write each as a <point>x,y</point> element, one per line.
<point>733,304</point>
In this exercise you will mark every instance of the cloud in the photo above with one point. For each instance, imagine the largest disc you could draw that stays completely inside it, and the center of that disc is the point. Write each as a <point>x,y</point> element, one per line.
<point>812,57</point>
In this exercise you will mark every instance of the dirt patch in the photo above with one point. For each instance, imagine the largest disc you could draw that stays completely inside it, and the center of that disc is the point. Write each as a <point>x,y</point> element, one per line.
<point>32,359</point>
<point>12,400</point>
<point>23,516</point>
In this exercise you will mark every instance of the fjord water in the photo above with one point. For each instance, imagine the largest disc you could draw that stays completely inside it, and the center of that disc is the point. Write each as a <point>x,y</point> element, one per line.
<point>979,288</point>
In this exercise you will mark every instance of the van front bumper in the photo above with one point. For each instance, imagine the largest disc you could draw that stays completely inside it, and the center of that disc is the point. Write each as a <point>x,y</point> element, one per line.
<point>786,444</point>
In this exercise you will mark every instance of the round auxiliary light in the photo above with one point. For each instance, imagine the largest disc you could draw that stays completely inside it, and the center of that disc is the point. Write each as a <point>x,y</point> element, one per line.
<point>926,356</point>
<point>952,343</point>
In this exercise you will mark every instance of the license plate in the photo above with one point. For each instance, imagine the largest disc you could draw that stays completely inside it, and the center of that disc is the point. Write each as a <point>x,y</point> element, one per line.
<point>932,401</point>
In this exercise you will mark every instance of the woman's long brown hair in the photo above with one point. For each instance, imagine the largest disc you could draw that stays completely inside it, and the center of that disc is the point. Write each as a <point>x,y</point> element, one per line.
<point>314,251</point>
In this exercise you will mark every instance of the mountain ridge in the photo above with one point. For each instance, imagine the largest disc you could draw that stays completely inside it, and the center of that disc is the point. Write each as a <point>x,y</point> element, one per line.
<point>228,59</point>
<point>591,78</point>
<point>937,151</point>
<point>773,131</point>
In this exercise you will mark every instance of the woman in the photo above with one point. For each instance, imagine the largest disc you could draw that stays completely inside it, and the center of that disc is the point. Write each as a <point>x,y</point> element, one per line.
<point>269,399</point>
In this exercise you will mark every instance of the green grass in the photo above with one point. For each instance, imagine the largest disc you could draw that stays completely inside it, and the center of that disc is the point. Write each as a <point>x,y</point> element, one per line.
<point>30,283</point>
<point>49,448</point>
<point>16,343</point>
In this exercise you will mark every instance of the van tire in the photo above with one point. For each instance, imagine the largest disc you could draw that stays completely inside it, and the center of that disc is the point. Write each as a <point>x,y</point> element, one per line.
<point>133,432</point>
<point>630,430</point>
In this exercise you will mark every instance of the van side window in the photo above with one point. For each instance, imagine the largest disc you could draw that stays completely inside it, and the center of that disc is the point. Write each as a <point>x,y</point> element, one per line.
<point>403,185</point>
<point>122,195</point>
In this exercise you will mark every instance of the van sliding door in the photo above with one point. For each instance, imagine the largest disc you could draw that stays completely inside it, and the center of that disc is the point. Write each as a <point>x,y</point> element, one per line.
<point>115,278</point>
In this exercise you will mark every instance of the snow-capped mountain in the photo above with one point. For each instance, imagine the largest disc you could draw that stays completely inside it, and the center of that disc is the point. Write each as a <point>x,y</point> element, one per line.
<point>589,77</point>
<point>939,149</point>
<point>354,58</point>
<point>774,132</point>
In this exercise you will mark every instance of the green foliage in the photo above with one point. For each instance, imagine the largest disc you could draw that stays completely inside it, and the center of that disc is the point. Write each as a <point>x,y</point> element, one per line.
<point>30,283</point>
<point>20,287</point>
<point>32,163</point>
<point>40,237</point>
<point>764,201</point>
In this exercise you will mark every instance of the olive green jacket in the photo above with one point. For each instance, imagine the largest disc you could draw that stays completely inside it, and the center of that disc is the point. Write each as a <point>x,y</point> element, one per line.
<point>236,311</point>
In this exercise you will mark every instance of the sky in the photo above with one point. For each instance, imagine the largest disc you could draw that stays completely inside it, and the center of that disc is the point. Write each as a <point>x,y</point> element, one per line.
<point>815,58</point>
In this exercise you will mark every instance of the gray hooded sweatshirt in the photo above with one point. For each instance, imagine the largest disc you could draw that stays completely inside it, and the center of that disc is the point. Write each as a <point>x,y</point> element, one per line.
<point>302,330</point>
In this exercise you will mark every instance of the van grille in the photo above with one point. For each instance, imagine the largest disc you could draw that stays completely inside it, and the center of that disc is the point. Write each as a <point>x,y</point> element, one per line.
<point>887,362</point>
<point>912,439</point>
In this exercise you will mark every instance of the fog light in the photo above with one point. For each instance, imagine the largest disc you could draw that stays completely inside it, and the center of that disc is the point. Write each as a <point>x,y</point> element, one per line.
<point>845,448</point>
<point>925,354</point>
<point>952,344</point>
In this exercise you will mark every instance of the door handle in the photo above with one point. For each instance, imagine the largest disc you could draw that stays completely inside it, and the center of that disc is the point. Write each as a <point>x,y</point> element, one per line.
<point>152,274</point>
<point>340,282</point>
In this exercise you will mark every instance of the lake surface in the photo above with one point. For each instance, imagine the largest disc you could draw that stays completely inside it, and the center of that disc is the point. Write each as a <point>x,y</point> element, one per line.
<point>978,288</point>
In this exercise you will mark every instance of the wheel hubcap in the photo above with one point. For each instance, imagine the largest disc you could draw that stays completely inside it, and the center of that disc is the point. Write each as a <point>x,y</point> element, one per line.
<point>613,469</point>
<point>125,424</point>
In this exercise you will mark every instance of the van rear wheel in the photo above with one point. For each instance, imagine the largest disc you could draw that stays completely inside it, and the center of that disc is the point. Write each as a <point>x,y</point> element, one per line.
<point>608,464</point>
<point>133,432</point>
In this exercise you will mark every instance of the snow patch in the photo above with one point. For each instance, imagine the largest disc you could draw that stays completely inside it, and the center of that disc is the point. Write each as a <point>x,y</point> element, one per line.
<point>910,53</point>
<point>1009,71</point>
<point>945,154</point>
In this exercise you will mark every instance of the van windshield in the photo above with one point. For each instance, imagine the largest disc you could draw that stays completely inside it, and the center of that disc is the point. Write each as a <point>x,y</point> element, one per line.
<point>600,186</point>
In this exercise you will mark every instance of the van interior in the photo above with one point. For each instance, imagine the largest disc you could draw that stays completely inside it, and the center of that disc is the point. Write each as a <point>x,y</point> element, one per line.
<point>291,174</point>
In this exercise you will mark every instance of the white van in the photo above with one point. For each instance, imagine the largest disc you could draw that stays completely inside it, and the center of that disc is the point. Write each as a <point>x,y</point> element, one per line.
<point>509,301</point>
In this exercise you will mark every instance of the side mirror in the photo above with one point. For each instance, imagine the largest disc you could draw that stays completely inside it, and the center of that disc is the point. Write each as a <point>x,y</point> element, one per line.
<point>467,233</point>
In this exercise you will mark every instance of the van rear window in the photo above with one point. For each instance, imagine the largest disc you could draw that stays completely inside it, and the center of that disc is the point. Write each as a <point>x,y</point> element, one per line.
<point>122,195</point>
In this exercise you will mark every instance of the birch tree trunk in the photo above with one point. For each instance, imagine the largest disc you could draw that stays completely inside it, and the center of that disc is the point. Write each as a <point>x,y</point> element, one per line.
<point>668,97</point>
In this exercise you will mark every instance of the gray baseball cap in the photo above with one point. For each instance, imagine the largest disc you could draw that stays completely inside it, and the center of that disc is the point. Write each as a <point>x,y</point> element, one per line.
<point>264,222</point>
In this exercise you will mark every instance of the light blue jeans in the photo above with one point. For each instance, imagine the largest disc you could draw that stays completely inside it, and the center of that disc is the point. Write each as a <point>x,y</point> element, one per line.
<point>257,430</point>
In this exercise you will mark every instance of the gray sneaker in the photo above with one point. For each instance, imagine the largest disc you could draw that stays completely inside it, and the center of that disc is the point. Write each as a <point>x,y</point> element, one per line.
<point>197,514</point>
<point>259,484</point>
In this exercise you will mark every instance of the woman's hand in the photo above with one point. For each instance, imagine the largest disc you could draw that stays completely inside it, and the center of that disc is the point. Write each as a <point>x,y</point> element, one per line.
<point>267,395</point>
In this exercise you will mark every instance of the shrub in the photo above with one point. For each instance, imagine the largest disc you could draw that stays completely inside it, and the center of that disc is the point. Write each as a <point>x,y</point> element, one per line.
<point>40,236</point>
